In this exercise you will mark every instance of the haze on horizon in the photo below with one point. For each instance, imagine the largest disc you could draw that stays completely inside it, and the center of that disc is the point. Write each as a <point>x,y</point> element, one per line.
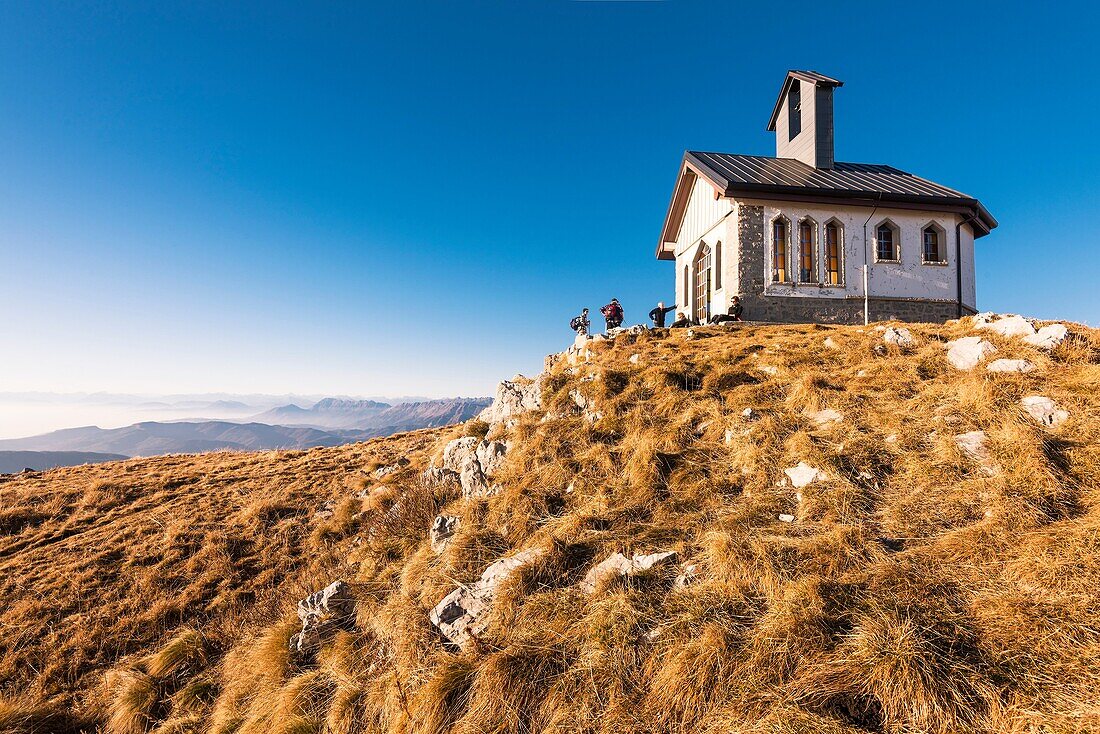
<point>346,201</point>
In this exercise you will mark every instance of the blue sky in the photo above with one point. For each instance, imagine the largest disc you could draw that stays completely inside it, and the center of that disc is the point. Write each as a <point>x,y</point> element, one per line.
<point>415,197</point>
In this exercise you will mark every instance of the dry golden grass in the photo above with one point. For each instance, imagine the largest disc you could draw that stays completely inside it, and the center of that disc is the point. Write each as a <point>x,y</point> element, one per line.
<point>913,592</point>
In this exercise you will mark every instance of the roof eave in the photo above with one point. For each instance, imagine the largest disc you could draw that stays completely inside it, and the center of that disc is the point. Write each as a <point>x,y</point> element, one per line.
<point>691,163</point>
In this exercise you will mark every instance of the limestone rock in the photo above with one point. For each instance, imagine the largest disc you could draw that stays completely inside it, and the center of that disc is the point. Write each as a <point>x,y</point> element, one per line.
<point>749,414</point>
<point>1048,337</point>
<point>689,574</point>
<point>443,528</point>
<point>513,397</point>
<point>899,336</point>
<point>619,565</point>
<point>385,471</point>
<point>830,344</point>
<point>635,358</point>
<point>967,352</point>
<point>803,474</point>
<point>1005,324</point>
<point>1044,410</point>
<point>1010,365</point>
<point>973,444</point>
<point>823,418</point>
<point>321,614</point>
<point>465,611</point>
<point>473,460</point>
<point>786,518</point>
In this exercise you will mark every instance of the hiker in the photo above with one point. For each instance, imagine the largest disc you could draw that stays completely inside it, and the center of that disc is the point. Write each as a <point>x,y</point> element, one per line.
<point>681,322</point>
<point>734,314</point>
<point>657,315</point>
<point>613,314</point>
<point>580,323</point>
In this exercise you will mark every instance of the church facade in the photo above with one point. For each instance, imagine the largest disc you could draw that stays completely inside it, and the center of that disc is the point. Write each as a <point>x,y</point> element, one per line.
<point>803,238</point>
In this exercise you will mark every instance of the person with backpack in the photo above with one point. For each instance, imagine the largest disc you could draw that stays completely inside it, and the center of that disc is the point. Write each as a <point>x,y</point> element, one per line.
<point>613,314</point>
<point>580,323</point>
<point>657,315</point>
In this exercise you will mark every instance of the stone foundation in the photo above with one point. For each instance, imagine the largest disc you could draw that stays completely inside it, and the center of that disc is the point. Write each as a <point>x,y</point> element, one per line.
<point>795,310</point>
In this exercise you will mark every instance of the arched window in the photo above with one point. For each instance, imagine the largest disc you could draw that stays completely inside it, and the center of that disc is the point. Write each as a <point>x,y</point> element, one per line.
<point>834,244</point>
<point>780,235</point>
<point>718,265</point>
<point>932,249</point>
<point>701,306</point>
<point>886,242</point>
<point>807,267</point>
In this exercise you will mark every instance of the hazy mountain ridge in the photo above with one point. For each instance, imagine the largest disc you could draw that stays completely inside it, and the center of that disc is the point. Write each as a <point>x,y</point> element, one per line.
<point>347,421</point>
<point>14,461</point>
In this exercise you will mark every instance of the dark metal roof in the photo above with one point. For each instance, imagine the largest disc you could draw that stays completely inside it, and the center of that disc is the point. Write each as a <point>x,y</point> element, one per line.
<point>749,174</point>
<point>807,76</point>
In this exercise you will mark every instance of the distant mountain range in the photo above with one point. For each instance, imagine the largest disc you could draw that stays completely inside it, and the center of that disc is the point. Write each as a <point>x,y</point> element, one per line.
<point>339,413</point>
<point>328,422</point>
<point>14,461</point>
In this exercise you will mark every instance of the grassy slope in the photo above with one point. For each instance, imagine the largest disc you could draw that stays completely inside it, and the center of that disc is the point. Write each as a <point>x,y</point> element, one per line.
<point>914,591</point>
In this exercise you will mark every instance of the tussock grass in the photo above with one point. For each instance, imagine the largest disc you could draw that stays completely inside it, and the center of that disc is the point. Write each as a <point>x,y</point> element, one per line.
<point>916,589</point>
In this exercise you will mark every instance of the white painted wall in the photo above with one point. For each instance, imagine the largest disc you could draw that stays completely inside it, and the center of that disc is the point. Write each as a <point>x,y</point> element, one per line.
<point>909,278</point>
<point>705,220</point>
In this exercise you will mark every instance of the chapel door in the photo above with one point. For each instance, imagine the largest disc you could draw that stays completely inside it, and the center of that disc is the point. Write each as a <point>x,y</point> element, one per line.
<point>701,307</point>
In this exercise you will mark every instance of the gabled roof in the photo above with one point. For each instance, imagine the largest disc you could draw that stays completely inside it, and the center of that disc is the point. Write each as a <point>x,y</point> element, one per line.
<point>763,177</point>
<point>807,76</point>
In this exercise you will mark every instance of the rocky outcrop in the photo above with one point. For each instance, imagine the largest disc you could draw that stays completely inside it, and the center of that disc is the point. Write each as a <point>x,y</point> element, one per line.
<point>384,471</point>
<point>513,397</point>
<point>443,529</point>
<point>472,461</point>
<point>1004,324</point>
<point>967,352</point>
<point>464,613</point>
<point>620,565</point>
<point>322,613</point>
<point>973,445</point>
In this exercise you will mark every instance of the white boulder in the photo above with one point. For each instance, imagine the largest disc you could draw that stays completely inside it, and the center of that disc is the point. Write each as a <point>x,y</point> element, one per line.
<point>803,474</point>
<point>967,352</point>
<point>899,336</point>
<point>1048,337</point>
<point>619,565</point>
<point>1044,410</point>
<point>1010,365</point>
<point>473,460</point>
<point>1005,324</point>
<point>322,613</point>
<point>465,611</point>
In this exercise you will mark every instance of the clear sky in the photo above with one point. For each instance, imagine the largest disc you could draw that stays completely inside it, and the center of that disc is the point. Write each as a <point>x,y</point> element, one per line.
<point>415,197</point>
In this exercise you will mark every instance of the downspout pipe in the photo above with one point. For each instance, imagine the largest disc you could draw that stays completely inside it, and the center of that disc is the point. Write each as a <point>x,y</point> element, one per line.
<point>867,265</point>
<point>958,263</point>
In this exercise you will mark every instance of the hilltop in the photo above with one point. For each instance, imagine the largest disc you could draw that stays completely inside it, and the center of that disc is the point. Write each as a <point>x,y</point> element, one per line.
<point>757,529</point>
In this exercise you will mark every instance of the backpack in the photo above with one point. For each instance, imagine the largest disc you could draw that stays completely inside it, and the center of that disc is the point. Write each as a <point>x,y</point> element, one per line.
<point>616,312</point>
<point>576,322</point>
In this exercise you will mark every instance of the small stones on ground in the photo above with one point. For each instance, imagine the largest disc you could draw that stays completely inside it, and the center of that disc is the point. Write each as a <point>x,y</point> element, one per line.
<point>768,369</point>
<point>967,352</point>
<point>830,344</point>
<point>899,336</point>
<point>1044,410</point>
<point>619,565</point>
<point>803,474</point>
<point>689,574</point>
<point>749,414</point>
<point>892,438</point>
<point>824,418</point>
<point>385,471</point>
<point>1010,365</point>
<point>973,444</point>
<point>635,358</point>
<point>786,518</point>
